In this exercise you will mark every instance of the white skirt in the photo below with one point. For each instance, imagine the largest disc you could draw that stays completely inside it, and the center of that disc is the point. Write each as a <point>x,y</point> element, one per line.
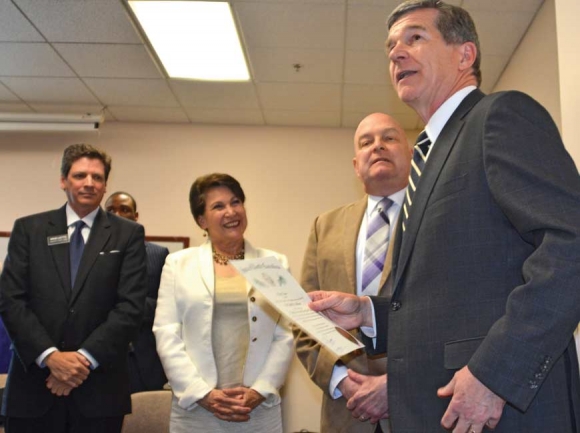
<point>262,420</point>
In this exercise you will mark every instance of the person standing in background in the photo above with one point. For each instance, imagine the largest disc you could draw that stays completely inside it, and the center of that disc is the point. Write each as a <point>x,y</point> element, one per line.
<point>145,369</point>
<point>350,250</point>
<point>72,293</point>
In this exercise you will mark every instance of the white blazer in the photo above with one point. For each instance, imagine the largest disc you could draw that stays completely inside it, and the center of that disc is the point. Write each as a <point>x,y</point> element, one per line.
<point>183,329</point>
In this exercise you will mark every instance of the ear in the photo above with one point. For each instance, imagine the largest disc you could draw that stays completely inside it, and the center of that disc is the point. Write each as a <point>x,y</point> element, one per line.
<point>468,52</point>
<point>201,222</point>
<point>136,216</point>
<point>355,165</point>
<point>63,183</point>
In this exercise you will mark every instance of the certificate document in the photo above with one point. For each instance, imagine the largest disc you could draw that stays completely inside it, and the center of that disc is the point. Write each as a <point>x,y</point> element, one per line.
<point>282,291</point>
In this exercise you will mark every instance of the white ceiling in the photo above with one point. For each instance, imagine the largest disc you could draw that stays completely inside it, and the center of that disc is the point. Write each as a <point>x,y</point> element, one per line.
<point>78,56</point>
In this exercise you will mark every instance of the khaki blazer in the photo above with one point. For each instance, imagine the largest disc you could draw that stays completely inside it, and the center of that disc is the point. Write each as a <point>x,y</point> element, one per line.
<point>330,264</point>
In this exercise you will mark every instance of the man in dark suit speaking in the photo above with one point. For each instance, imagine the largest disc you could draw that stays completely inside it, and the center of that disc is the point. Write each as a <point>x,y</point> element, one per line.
<point>71,297</point>
<point>479,328</point>
<point>145,369</point>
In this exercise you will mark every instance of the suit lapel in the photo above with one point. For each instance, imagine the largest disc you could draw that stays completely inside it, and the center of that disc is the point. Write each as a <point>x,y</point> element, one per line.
<point>60,253</point>
<point>98,238</point>
<point>439,154</point>
<point>352,220</point>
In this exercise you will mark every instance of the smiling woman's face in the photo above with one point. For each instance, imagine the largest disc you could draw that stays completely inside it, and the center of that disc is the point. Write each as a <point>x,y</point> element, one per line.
<point>224,217</point>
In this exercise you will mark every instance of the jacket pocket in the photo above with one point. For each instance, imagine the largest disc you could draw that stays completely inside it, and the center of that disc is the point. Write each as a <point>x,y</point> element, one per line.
<point>459,352</point>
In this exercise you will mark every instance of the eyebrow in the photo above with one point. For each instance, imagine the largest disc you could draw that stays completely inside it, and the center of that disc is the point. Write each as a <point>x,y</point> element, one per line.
<point>405,30</point>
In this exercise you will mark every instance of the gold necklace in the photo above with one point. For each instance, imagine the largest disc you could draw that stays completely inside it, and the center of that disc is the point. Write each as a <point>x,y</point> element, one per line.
<point>222,259</point>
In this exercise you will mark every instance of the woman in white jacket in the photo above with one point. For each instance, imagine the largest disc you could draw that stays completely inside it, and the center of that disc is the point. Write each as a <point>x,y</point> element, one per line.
<point>223,348</point>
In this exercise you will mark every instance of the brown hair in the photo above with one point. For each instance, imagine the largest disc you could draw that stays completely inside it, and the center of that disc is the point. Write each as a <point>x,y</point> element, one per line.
<point>203,184</point>
<point>78,151</point>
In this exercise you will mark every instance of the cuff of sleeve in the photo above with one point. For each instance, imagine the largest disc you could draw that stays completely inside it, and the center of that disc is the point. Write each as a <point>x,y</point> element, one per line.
<point>339,372</point>
<point>93,361</point>
<point>43,355</point>
<point>371,332</point>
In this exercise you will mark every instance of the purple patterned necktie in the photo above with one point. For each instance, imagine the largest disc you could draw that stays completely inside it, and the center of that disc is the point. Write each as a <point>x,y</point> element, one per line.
<point>376,243</point>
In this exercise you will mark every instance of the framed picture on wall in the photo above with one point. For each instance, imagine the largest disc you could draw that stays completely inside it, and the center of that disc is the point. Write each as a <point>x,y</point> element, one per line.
<point>172,243</point>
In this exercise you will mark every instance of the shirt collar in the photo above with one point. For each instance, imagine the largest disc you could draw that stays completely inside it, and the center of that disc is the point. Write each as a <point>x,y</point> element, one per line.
<point>72,217</point>
<point>444,112</point>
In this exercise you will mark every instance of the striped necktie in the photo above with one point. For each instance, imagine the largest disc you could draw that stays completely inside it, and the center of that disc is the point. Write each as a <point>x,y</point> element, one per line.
<point>76,247</point>
<point>376,244</point>
<point>417,166</point>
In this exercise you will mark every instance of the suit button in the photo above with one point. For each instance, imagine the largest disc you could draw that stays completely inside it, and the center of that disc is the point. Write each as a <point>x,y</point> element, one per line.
<point>62,344</point>
<point>395,306</point>
<point>254,319</point>
<point>71,311</point>
<point>253,299</point>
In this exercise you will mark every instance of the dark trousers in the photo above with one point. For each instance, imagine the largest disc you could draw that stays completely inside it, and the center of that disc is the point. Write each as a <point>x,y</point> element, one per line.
<point>64,417</point>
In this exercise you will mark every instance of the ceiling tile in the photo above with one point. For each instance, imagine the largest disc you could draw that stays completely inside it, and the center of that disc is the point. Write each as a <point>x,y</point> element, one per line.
<point>67,108</point>
<point>302,118</point>
<point>366,28</point>
<point>370,67</point>
<point>299,96</point>
<point>291,25</point>
<point>500,32</point>
<point>50,90</point>
<point>368,99</point>
<point>132,92</point>
<point>503,5</point>
<point>80,20</point>
<point>6,95</point>
<point>14,27</point>
<point>149,114</point>
<point>225,117</point>
<point>273,64</point>
<point>109,60</point>
<point>208,94</point>
<point>31,60</point>
<point>340,2</point>
<point>14,107</point>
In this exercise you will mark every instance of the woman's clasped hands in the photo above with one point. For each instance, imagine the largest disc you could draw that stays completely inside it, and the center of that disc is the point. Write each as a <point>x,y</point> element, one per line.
<point>232,404</point>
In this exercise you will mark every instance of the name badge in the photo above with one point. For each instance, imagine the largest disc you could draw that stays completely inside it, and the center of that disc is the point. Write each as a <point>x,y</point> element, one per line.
<point>57,240</point>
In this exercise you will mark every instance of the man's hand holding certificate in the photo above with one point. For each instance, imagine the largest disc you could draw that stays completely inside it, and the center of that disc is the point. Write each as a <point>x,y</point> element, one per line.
<point>284,293</point>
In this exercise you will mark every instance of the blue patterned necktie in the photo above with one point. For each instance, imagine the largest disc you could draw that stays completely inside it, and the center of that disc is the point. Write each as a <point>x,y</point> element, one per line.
<point>376,244</point>
<point>417,166</point>
<point>76,247</point>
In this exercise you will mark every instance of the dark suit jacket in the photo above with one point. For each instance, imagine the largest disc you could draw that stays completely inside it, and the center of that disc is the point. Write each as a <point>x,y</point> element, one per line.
<point>330,264</point>
<point>101,314</point>
<point>145,368</point>
<point>487,273</point>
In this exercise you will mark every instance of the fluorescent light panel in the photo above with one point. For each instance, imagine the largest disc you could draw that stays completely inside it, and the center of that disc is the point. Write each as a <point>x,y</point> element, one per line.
<point>193,39</point>
<point>49,122</point>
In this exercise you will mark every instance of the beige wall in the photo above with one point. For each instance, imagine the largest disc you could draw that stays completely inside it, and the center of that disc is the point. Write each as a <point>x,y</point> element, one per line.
<point>546,65</point>
<point>533,68</point>
<point>290,175</point>
<point>567,13</point>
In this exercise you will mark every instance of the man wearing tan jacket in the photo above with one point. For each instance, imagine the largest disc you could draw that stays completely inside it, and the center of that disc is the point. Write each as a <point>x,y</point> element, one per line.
<point>349,250</point>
